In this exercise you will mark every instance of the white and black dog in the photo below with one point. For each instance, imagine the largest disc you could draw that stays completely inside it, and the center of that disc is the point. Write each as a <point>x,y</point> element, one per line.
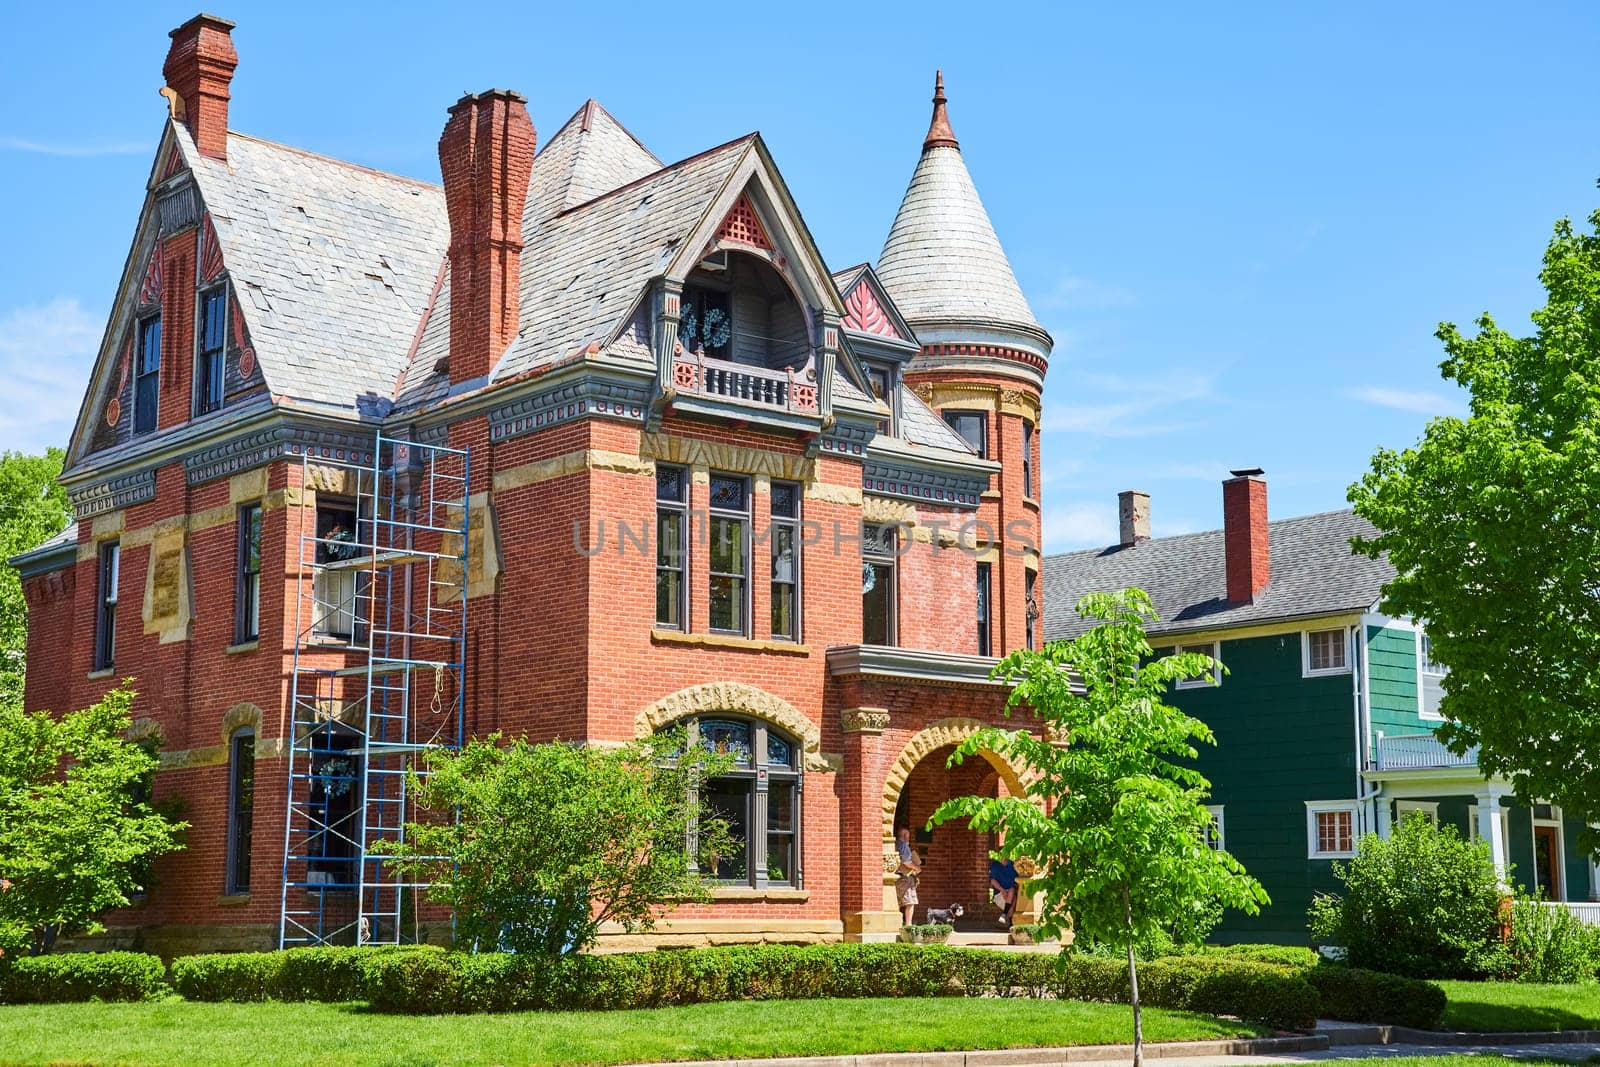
<point>946,916</point>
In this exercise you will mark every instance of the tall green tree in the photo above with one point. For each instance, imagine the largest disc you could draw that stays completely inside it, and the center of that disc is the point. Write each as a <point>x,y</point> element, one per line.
<point>77,828</point>
<point>536,846</point>
<point>1492,523</point>
<point>1113,811</point>
<point>33,508</point>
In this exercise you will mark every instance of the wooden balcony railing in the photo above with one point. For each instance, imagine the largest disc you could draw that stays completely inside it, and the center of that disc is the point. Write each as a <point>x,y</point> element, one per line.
<point>783,390</point>
<point>1418,752</point>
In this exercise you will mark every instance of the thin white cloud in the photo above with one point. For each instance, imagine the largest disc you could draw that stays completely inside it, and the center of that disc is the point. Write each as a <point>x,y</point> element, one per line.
<point>1131,407</point>
<point>1085,294</point>
<point>1417,401</point>
<point>45,352</point>
<point>74,151</point>
<point>1072,526</point>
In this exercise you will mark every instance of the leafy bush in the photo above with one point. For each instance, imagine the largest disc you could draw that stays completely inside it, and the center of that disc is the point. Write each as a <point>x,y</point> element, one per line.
<point>75,976</point>
<point>1260,992</point>
<point>322,974</point>
<point>1424,904</point>
<point>926,933</point>
<point>1550,944</point>
<point>1355,995</point>
<point>1215,985</point>
<point>1279,955</point>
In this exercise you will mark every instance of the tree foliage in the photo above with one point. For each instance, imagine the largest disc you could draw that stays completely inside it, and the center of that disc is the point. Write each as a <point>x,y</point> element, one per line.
<point>33,508</point>
<point>77,829</point>
<point>1113,812</point>
<point>1493,524</point>
<point>552,840</point>
<point>1422,903</point>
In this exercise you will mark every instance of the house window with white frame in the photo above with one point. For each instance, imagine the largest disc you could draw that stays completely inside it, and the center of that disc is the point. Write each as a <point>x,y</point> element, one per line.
<point>1325,652</point>
<point>729,562</point>
<point>1428,809</point>
<point>1330,829</point>
<point>1205,678</point>
<point>1215,836</point>
<point>1430,679</point>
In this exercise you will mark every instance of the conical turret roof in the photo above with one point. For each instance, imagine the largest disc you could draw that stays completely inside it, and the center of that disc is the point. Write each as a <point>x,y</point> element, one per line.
<point>942,262</point>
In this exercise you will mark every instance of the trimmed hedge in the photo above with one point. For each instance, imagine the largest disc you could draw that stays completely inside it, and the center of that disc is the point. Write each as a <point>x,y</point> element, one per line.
<point>325,974</point>
<point>1257,992</point>
<point>77,976</point>
<point>1352,994</point>
<point>1278,955</point>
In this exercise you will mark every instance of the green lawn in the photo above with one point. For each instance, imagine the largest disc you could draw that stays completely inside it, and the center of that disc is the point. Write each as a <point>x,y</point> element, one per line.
<point>1517,1006</point>
<point>176,1031</point>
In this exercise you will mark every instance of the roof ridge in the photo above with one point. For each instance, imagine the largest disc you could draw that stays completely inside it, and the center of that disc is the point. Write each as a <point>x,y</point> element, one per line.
<point>375,172</point>
<point>1201,533</point>
<point>657,173</point>
<point>592,103</point>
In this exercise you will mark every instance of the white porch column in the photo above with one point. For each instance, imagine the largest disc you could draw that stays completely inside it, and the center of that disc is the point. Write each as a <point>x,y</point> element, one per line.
<point>1385,808</point>
<point>1491,829</point>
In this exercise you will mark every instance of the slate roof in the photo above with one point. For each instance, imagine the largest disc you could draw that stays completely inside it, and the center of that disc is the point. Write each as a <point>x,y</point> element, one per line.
<point>64,542</point>
<point>921,425</point>
<point>942,260</point>
<point>332,264</point>
<point>1313,573</point>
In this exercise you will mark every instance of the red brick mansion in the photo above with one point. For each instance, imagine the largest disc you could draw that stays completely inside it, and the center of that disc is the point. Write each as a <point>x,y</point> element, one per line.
<point>577,444</point>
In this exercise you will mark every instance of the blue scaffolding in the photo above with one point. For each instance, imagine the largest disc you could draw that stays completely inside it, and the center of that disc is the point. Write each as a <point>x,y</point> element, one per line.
<point>378,680</point>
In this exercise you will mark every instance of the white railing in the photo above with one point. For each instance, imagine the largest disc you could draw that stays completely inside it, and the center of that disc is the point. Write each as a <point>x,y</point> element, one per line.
<point>1586,912</point>
<point>1419,752</point>
<point>745,383</point>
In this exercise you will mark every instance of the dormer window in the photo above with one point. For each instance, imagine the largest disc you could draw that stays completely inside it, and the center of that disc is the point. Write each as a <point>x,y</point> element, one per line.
<point>705,322</point>
<point>881,377</point>
<point>208,373</point>
<point>147,375</point>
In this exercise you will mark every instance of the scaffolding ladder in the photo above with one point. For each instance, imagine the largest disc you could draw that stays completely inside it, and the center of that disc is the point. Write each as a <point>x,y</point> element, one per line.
<point>377,683</point>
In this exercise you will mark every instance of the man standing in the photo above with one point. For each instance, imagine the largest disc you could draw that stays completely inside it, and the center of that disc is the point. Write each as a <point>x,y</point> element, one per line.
<point>1003,887</point>
<point>905,890</point>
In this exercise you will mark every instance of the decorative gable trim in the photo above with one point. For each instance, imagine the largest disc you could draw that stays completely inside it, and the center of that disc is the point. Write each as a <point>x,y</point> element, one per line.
<point>863,312</point>
<point>210,254</point>
<point>150,288</point>
<point>743,226</point>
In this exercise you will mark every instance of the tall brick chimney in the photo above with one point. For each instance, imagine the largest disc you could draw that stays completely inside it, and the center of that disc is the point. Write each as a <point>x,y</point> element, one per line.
<point>199,68</point>
<point>486,156</point>
<point>1133,517</point>
<point>1244,533</point>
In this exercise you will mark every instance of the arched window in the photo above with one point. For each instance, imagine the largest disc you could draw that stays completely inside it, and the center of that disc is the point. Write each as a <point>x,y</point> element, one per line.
<point>241,809</point>
<point>760,799</point>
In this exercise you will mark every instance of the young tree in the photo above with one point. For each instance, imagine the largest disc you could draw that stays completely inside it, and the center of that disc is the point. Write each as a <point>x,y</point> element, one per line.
<point>1493,525</point>
<point>1113,813</point>
<point>552,840</point>
<point>77,830</point>
<point>33,508</point>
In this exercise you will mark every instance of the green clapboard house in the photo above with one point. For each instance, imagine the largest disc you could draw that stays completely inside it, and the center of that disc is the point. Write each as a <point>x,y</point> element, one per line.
<point>1325,713</point>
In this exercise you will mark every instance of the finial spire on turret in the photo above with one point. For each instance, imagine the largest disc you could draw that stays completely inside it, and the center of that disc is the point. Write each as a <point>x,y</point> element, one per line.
<point>939,132</point>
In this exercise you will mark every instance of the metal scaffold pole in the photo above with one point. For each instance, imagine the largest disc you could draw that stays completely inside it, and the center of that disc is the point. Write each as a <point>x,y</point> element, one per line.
<point>379,673</point>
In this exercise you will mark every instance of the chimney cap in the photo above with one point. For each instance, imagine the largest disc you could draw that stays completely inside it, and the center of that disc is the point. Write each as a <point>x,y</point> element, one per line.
<point>1248,472</point>
<point>487,94</point>
<point>214,21</point>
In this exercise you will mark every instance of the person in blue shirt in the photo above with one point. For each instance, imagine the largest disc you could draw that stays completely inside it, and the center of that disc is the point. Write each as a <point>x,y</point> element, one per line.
<point>1003,887</point>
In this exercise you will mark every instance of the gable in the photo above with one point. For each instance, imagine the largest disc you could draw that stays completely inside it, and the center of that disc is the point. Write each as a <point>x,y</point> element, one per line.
<point>869,309</point>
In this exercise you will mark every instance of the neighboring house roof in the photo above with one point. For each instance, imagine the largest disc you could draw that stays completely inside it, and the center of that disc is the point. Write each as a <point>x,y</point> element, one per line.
<point>1313,572</point>
<point>332,265</point>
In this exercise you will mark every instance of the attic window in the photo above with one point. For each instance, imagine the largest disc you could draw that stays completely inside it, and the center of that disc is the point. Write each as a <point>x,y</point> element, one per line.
<point>880,377</point>
<point>705,322</point>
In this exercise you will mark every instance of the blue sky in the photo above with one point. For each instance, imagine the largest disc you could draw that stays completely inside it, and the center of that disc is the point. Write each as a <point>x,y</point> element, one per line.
<point>1241,223</point>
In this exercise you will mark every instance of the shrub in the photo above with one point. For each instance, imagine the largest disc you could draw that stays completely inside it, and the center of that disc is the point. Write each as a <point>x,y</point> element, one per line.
<point>1550,944</point>
<point>323,974</point>
<point>1360,996</point>
<point>1279,955</point>
<point>75,976</point>
<point>926,933</point>
<point>1424,904</point>
<point>1215,985</point>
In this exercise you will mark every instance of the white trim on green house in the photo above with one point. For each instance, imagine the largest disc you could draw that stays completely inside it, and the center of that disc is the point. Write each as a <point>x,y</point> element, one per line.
<point>1314,835</point>
<point>1345,665</point>
<point>1201,681</point>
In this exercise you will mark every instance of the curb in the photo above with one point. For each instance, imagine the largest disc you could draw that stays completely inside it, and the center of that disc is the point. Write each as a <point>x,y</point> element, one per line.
<point>1404,1035</point>
<point>1032,1057</point>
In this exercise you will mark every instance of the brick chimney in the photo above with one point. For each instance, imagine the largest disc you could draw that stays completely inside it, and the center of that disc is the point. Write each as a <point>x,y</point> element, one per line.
<point>1244,532</point>
<point>199,68</point>
<point>1133,516</point>
<point>486,156</point>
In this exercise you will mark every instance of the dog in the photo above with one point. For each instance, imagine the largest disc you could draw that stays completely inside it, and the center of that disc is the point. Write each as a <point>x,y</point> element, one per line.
<point>946,916</point>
